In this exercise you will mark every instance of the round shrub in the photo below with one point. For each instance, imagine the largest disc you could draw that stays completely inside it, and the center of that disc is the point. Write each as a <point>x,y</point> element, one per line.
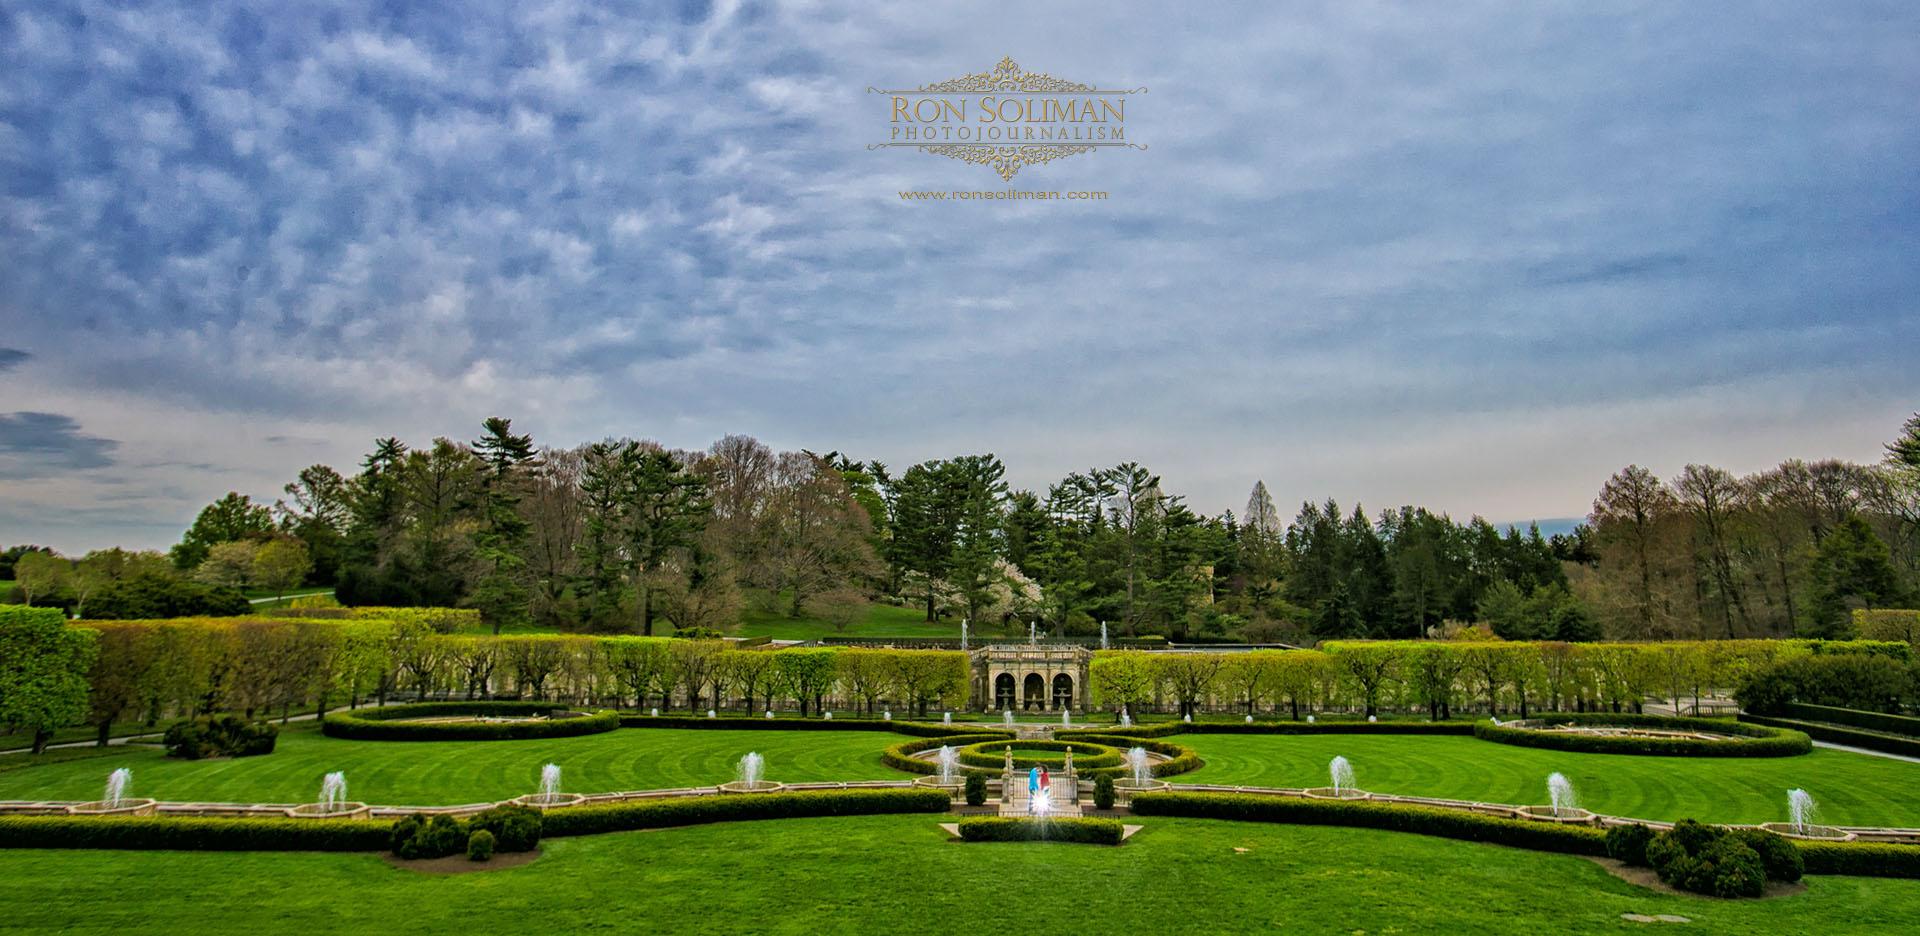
<point>480,846</point>
<point>417,836</point>
<point>220,736</point>
<point>515,828</point>
<point>1628,843</point>
<point>1711,860</point>
<point>1735,869</point>
<point>1778,854</point>
<point>976,787</point>
<point>1103,792</point>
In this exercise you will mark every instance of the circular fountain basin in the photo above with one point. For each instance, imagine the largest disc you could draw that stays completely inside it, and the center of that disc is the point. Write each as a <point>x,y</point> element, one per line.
<point>338,811</point>
<point>1343,793</point>
<point>550,800</point>
<point>757,786</point>
<point>1812,833</point>
<point>1561,814</point>
<point>125,807</point>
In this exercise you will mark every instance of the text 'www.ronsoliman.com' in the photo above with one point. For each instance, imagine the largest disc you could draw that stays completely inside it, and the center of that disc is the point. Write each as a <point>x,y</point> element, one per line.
<point>1003,195</point>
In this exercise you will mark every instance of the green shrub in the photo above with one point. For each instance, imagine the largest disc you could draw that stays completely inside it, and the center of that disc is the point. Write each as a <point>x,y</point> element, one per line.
<point>1736,869</point>
<point>1062,829</point>
<point>654,814</point>
<point>793,723</point>
<point>1423,820</point>
<point>1778,854</point>
<point>1710,860</point>
<point>381,724</point>
<point>900,756</point>
<point>220,736</point>
<point>976,789</point>
<point>1182,758</point>
<point>399,840</point>
<point>1165,729</point>
<point>1749,740</point>
<point>1906,747</point>
<point>1870,681</point>
<point>1871,721</point>
<point>192,833</point>
<point>418,836</point>
<point>1087,755</point>
<point>514,828</point>
<point>1628,843</point>
<point>1868,859</point>
<point>1103,792</point>
<point>480,846</point>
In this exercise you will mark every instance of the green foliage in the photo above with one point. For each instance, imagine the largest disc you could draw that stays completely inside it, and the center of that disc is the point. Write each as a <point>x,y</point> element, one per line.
<point>220,736</point>
<point>1906,747</point>
<point>654,814</point>
<point>976,788</point>
<point>900,756</point>
<point>1060,829</point>
<point>1087,755</point>
<point>1872,721</point>
<point>514,828</point>
<point>1423,820</point>
<point>184,833</point>
<point>1103,792</point>
<point>153,595</point>
<point>1869,681</point>
<point>1181,758</point>
<point>698,633</point>
<point>381,724</point>
<point>421,836</point>
<point>1779,856</point>
<point>1628,843</point>
<point>43,671</point>
<point>230,518</point>
<point>480,846</point>
<point>1851,565</point>
<point>1867,859</point>
<point>1754,740</point>
<point>1712,860</point>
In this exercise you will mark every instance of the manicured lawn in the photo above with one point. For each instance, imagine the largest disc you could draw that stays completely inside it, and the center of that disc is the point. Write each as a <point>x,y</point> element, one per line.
<point>428,773</point>
<point>881,620</point>
<point>1852,789</point>
<point>891,874</point>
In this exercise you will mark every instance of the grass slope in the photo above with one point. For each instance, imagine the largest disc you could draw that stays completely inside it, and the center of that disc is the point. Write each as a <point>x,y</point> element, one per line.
<point>1852,789</point>
<point>428,773</point>
<point>855,876</point>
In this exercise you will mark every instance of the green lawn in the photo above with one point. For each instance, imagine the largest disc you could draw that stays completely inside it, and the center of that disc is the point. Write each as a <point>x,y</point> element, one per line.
<point>19,739</point>
<point>881,620</point>
<point>398,773</point>
<point>889,874</point>
<point>1852,789</point>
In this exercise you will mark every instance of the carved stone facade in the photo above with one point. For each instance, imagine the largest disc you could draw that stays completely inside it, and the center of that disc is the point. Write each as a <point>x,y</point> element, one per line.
<point>1031,677</point>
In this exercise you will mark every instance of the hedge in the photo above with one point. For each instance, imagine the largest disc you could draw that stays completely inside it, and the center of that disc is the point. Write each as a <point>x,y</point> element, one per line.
<point>1422,820</point>
<point>900,756</point>
<point>1183,758</point>
<point>1866,859</point>
<point>654,814</point>
<point>380,724</point>
<point>1908,747</point>
<point>1063,829</point>
<point>1088,754</point>
<point>1750,740</point>
<point>193,833</point>
<point>1164,729</point>
<point>746,723</point>
<point>1857,718</point>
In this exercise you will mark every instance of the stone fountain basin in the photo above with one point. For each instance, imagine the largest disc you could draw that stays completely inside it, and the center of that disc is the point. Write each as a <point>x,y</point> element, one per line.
<point>1344,793</point>
<point>1813,833</point>
<point>1128,783</point>
<point>126,807</point>
<point>757,786</point>
<point>1563,814</point>
<point>339,811</point>
<point>550,800</point>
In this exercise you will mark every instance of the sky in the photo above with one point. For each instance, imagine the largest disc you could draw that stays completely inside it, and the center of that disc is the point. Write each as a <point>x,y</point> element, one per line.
<point>1471,256</point>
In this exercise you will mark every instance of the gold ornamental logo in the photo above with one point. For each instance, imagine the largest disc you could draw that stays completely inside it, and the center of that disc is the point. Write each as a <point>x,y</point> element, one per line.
<point>1007,118</point>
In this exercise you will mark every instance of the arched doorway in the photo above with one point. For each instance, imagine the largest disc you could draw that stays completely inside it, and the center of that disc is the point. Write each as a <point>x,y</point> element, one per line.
<point>1062,691</point>
<point>1036,692</point>
<point>1003,691</point>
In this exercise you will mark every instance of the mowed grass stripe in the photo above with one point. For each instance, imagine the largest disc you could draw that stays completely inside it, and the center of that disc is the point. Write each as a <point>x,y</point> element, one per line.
<point>447,772</point>
<point>1852,789</point>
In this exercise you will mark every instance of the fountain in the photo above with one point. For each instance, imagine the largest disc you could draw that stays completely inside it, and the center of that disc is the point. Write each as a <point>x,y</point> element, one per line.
<point>711,713</point>
<point>1140,777</point>
<point>550,795</point>
<point>1006,717</point>
<point>948,776</point>
<point>886,715</point>
<point>946,718</point>
<point>1565,808</point>
<point>1033,632</point>
<point>1800,809</point>
<point>769,713</point>
<point>748,777</point>
<point>655,712</point>
<point>826,716</point>
<point>115,801</point>
<point>1309,719</point>
<point>333,802</point>
<point>1249,719</point>
<point>1187,718</point>
<point>1341,773</point>
<point>1103,635</point>
<point>1126,720</point>
<point>1373,719</point>
<point>963,635</point>
<point>1066,721</point>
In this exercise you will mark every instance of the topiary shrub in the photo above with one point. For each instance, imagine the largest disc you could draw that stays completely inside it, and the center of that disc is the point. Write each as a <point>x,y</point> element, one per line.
<point>1103,792</point>
<point>1736,870</point>
<point>1063,829</point>
<point>417,836</point>
<point>1628,843</point>
<point>1711,860</point>
<point>1778,854</point>
<point>480,846</point>
<point>220,736</point>
<point>514,828</point>
<point>976,787</point>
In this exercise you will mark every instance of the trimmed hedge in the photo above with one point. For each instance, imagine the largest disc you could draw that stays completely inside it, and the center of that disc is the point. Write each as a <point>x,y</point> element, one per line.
<point>900,756</point>
<point>1862,739</point>
<point>1866,859</point>
<point>1064,829</point>
<point>1183,758</point>
<point>654,814</point>
<point>1750,740</point>
<point>811,723</point>
<point>1856,718</point>
<point>1422,820</point>
<point>1087,754</point>
<point>382,724</point>
<point>1165,729</point>
<point>194,833</point>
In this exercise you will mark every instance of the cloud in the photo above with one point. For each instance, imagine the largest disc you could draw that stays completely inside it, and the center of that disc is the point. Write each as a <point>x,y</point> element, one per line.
<point>12,357</point>
<point>37,445</point>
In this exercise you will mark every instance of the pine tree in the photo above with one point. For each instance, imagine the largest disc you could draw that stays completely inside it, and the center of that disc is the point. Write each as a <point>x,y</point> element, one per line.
<point>501,598</point>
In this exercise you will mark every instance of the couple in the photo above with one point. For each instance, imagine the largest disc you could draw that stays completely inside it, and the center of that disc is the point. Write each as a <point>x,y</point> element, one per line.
<point>1038,781</point>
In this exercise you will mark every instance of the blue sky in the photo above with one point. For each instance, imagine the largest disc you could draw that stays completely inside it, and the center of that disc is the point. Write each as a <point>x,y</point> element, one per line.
<point>1475,256</point>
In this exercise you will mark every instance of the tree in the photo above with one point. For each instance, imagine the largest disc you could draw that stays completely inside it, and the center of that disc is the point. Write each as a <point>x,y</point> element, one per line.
<point>923,514</point>
<point>280,564</point>
<point>1433,670</point>
<point>1369,668</point>
<point>1131,505</point>
<point>40,575</point>
<point>664,508</point>
<point>1123,678</point>
<point>501,598</point>
<point>322,506</point>
<point>1628,520</point>
<point>126,653</point>
<point>230,518</point>
<point>1709,494</point>
<point>928,676</point>
<point>805,675</point>
<point>229,565</point>
<point>812,537</point>
<point>1850,567</point>
<point>1188,676</point>
<point>43,672</point>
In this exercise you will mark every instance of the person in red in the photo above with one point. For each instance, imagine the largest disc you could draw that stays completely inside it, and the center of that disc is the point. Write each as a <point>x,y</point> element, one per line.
<point>1046,781</point>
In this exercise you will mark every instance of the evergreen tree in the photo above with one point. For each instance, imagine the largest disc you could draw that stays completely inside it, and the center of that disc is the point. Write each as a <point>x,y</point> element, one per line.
<point>1851,566</point>
<point>500,596</point>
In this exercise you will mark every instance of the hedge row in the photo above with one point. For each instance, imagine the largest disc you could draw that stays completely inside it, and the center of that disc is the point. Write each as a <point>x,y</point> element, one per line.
<point>789,723</point>
<point>1165,729</point>
<point>1183,758</point>
<point>654,814</point>
<point>1866,859</point>
<point>1063,829</point>
<point>1857,718</point>
<point>193,833</point>
<point>1088,755</point>
<point>1750,740</point>
<point>900,756</point>
<point>381,726</point>
<point>1422,820</point>
<point>1862,739</point>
